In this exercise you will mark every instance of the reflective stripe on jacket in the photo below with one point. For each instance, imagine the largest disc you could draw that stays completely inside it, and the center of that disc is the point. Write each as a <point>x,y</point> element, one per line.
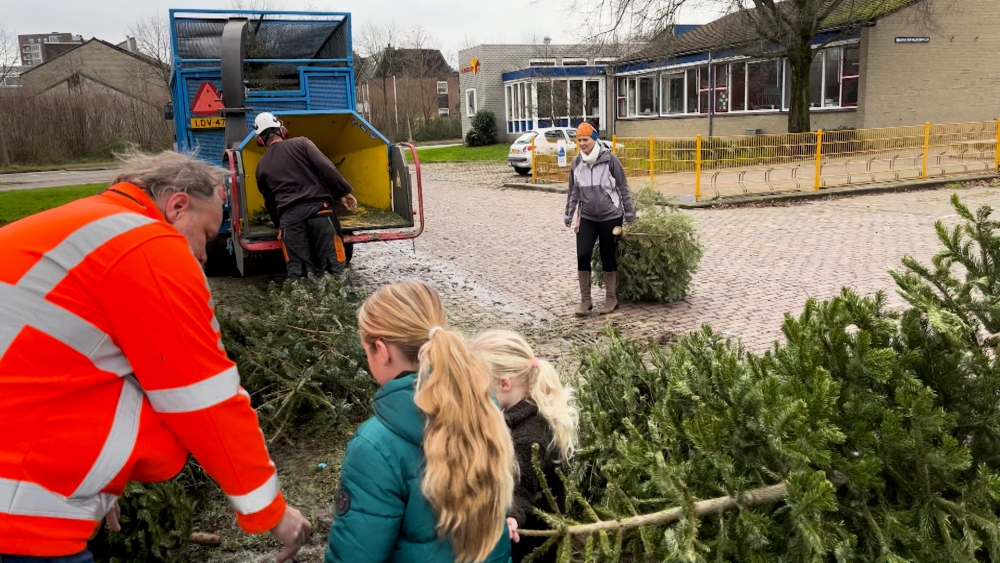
<point>112,369</point>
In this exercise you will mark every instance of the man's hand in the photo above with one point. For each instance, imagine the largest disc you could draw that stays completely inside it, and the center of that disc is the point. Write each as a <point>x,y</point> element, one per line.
<point>293,532</point>
<point>281,234</point>
<point>512,526</point>
<point>350,202</point>
<point>569,224</point>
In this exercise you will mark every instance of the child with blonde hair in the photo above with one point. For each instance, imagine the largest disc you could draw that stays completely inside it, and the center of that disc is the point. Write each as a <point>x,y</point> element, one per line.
<point>538,410</point>
<point>429,478</point>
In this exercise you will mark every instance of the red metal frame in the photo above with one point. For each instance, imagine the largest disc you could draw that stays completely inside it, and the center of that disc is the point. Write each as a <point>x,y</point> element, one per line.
<point>268,246</point>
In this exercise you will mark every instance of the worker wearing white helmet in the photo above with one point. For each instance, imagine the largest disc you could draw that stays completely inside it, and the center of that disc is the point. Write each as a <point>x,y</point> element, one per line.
<point>300,187</point>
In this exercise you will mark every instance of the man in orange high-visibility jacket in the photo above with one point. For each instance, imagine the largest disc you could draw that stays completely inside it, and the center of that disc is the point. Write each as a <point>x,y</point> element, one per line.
<point>112,366</point>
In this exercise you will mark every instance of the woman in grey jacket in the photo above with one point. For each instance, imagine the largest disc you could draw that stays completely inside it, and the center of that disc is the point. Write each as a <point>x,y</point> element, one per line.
<point>597,184</point>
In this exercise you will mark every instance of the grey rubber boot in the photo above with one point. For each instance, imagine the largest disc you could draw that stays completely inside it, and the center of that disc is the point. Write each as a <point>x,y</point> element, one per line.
<point>585,302</point>
<point>611,292</point>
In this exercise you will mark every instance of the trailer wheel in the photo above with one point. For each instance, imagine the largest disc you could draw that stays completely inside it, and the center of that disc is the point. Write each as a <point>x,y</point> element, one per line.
<point>220,262</point>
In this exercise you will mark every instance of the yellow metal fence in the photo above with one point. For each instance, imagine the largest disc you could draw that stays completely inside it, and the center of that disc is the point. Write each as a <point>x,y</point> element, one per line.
<point>713,167</point>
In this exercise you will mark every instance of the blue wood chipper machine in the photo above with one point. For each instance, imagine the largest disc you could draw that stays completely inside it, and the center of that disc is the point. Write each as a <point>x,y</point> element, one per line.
<point>228,66</point>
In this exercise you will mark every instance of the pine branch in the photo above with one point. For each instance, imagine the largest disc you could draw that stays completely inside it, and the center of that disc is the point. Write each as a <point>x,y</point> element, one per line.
<point>756,497</point>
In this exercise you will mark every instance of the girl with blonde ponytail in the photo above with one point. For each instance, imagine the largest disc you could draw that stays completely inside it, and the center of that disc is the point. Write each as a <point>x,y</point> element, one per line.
<point>430,477</point>
<point>538,410</point>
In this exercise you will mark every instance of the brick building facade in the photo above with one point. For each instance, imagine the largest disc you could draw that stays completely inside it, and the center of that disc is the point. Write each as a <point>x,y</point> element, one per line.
<point>914,61</point>
<point>98,66</point>
<point>505,79</point>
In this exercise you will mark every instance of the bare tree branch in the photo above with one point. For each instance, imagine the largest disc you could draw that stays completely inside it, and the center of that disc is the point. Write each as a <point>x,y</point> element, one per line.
<point>152,38</point>
<point>9,51</point>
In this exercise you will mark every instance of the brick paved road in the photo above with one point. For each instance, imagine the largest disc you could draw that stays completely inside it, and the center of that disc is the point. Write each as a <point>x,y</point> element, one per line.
<point>504,258</point>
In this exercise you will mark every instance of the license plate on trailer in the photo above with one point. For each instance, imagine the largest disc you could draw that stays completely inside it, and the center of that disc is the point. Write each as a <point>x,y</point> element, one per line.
<point>207,122</point>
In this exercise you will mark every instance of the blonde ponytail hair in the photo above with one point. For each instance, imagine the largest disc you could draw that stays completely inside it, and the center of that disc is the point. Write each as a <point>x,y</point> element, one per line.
<point>507,354</point>
<point>470,468</point>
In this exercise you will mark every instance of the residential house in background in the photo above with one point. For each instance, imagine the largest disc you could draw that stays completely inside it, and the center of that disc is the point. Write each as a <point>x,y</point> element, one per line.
<point>11,77</point>
<point>99,66</point>
<point>899,63</point>
<point>403,88</point>
<point>38,48</point>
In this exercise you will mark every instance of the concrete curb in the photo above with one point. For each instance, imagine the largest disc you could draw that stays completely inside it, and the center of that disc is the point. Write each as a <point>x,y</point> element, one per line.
<point>845,191</point>
<point>549,188</point>
<point>88,169</point>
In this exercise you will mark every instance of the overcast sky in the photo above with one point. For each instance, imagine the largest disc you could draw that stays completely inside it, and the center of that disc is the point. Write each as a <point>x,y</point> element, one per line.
<point>453,23</point>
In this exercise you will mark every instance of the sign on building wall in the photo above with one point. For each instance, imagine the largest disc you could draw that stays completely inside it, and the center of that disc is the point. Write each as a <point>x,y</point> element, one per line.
<point>913,40</point>
<point>473,66</point>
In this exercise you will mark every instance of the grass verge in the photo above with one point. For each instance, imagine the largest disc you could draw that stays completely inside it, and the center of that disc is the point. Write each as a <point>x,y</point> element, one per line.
<point>493,153</point>
<point>18,204</point>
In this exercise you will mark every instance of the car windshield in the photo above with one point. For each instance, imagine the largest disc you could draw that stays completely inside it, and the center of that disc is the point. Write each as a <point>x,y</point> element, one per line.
<point>525,139</point>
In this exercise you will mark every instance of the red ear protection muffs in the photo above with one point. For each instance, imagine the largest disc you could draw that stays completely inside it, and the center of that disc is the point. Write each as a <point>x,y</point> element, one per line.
<point>281,131</point>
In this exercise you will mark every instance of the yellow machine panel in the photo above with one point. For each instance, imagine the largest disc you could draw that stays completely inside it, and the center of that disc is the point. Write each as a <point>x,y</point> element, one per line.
<point>360,155</point>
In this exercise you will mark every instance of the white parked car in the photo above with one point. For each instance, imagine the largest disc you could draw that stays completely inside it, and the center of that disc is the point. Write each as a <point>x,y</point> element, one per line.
<point>546,142</point>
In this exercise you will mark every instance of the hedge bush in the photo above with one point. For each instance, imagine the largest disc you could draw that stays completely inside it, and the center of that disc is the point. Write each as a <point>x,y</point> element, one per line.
<point>441,129</point>
<point>484,130</point>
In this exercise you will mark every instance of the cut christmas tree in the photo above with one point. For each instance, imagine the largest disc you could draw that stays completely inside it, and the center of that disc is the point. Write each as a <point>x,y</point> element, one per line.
<point>870,435</point>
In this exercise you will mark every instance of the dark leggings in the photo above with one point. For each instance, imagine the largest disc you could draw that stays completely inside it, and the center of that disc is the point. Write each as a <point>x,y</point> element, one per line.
<point>591,232</point>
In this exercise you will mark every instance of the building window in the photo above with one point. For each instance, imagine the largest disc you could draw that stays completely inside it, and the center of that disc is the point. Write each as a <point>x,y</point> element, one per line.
<point>442,87</point>
<point>638,97</point>
<point>850,73</point>
<point>542,62</point>
<point>604,61</point>
<point>443,112</point>
<point>763,92</point>
<point>672,93</point>
<point>577,107</point>
<point>833,78</point>
<point>574,62</point>
<point>53,39</point>
<point>593,98</point>
<point>544,93</point>
<point>647,96</point>
<point>560,99</point>
<point>738,87</point>
<point>470,102</point>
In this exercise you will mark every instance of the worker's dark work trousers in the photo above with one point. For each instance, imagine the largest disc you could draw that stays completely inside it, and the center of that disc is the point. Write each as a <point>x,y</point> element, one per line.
<point>590,232</point>
<point>313,245</point>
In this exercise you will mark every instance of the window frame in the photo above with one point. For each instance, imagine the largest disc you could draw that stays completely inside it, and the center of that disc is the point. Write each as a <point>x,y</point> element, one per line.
<point>852,77</point>
<point>470,110</point>
<point>573,62</point>
<point>444,112</point>
<point>445,83</point>
<point>542,62</point>
<point>627,87</point>
<point>670,76</point>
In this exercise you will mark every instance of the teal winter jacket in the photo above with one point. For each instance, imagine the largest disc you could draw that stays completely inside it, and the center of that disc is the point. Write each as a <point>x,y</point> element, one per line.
<point>380,514</point>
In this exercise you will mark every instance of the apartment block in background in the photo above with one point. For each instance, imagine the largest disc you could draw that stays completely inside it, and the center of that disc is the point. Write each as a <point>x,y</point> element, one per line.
<point>39,48</point>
